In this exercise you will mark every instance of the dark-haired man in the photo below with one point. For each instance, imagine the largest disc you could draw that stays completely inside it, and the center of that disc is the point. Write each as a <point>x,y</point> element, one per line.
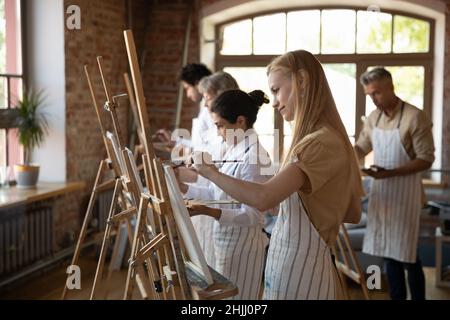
<point>190,76</point>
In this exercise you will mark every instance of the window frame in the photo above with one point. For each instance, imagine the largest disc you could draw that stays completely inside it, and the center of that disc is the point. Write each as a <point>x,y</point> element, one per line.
<point>7,77</point>
<point>361,60</point>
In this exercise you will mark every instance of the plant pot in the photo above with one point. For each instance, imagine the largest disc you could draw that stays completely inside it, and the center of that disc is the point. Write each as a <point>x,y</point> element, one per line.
<point>26,175</point>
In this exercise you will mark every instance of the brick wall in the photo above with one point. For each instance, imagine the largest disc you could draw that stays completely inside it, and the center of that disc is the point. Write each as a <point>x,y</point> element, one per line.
<point>167,21</point>
<point>66,219</point>
<point>102,23</point>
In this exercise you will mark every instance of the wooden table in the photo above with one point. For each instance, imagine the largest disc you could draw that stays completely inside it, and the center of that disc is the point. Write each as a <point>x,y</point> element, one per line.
<point>14,196</point>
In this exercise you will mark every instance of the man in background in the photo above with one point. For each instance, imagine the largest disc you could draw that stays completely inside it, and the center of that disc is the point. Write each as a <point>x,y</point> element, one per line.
<point>401,139</point>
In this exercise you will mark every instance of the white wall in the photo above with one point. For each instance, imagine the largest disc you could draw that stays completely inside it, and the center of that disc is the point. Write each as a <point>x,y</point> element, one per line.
<point>46,70</point>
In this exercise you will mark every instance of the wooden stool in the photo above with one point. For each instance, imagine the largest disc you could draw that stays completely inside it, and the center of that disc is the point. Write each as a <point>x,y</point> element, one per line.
<point>440,239</point>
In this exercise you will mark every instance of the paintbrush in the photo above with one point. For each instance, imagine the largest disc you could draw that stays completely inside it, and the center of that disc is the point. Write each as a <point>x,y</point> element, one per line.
<point>183,163</point>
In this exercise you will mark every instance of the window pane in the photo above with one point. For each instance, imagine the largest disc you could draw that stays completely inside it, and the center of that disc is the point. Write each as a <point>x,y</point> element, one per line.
<point>410,35</point>
<point>303,30</point>
<point>409,84</point>
<point>374,32</point>
<point>249,79</point>
<point>2,148</point>
<point>3,94</point>
<point>338,31</point>
<point>287,128</point>
<point>10,37</point>
<point>342,80</point>
<point>237,38</point>
<point>15,86</point>
<point>2,37</point>
<point>286,142</point>
<point>269,34</point>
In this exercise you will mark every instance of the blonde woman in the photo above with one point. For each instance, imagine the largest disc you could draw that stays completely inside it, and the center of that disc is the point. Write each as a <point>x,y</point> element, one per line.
<point>318,185</point>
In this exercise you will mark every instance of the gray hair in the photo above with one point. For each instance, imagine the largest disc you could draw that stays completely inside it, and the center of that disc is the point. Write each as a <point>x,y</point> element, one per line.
<point>217,83</point>
<point>377,73</point>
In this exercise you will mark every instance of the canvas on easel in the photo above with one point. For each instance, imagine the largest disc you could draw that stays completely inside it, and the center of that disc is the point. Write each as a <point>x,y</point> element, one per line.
<point>185,227</point>
<point>116,149</point>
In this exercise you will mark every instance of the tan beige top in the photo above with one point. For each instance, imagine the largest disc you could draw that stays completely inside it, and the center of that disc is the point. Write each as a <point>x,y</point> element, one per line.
<point>327,196</point>
<point>415,131</point>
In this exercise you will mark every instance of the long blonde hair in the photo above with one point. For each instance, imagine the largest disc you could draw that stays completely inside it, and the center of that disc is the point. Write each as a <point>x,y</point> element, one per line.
<point>313,105</point>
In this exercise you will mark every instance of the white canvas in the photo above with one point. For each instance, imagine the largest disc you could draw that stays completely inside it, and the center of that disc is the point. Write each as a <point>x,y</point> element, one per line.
<point>135,172</point>
<point>117,152</point>
<point>185,227</point>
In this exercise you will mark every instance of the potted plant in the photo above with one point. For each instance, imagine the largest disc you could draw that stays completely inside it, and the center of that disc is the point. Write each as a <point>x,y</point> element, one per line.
<point>32,128</point>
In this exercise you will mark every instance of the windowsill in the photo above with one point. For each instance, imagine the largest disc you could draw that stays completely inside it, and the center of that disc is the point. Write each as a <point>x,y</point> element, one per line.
<point>14,196</point>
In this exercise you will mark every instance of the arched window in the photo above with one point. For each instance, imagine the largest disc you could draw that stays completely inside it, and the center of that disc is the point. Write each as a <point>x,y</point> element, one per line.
<point>347,41</point>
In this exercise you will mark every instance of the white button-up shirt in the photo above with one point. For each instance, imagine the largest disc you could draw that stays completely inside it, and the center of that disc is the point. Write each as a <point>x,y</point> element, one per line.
<point>254,157</point>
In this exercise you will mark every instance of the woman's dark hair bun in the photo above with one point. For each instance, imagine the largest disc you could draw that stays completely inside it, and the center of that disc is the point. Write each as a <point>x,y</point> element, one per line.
<point>259,97</point>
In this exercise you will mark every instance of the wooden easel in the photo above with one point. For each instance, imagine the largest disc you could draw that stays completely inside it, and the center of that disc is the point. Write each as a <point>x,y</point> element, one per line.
<point>166,243</point>
<point>128,182</point>
<point>170,248</point>
<point>138,147</point>
<point>107,167</point>
<point>121,185</point>
<point>347,263</point>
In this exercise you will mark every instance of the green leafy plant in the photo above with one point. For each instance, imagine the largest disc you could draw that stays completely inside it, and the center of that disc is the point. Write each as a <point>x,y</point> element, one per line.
<point>32,122</point>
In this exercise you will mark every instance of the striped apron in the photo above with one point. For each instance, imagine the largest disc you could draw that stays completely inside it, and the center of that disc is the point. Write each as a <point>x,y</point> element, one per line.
<point>299,264</point>
<point>204,228</point>
<point>394,203</point>
<point>240,257</point>
<point>239,251</point>
<point>205,139</point>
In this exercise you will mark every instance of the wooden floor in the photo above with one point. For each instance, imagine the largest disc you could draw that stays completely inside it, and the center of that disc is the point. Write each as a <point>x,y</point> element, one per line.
<point>49,284</point>
<point>431,291</point>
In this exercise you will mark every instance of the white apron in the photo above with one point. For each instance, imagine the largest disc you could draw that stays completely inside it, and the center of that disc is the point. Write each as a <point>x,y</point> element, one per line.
<point>205,138</point>
<point>299,264</point>
<point>240,250</point>
<point>394,203</point>
<point>204,228</point>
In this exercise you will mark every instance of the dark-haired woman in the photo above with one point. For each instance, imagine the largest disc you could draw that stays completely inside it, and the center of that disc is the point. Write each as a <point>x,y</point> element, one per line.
<point>239,241</point>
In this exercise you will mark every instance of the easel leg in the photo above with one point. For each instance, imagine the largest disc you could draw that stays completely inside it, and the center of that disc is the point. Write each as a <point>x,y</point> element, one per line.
<point>356,264</point>
<point>341,277</point>
<point>99,271</point>
<point>87,219</point>
<point>113,259</point>
<point>134,249</point>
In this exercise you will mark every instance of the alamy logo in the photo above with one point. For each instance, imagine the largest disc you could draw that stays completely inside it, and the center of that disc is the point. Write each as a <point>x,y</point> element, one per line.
<point>74,279</point>
<point>73,21</point>
<point>374,280</point>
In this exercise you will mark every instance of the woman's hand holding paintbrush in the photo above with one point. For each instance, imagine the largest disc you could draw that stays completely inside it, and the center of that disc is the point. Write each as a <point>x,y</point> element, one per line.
<point>206,159</point>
